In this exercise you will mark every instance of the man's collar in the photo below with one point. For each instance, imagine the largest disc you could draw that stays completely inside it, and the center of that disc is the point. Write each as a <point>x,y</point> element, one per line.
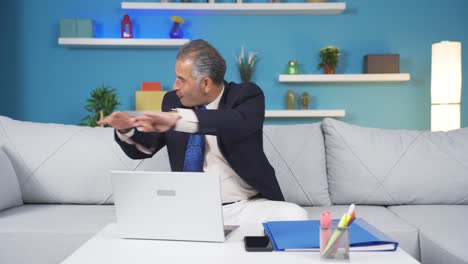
<point>214,105</point>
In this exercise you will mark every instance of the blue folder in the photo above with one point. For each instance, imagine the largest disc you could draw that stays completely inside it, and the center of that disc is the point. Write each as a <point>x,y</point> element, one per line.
<point>305,236</point>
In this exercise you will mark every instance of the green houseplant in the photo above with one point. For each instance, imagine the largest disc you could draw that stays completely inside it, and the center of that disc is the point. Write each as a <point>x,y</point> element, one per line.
<point>103,99</point>
<point>246,65</point>
<point>329,57</point>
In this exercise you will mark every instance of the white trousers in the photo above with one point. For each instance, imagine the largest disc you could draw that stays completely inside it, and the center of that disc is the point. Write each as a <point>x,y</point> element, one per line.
<point>259,210</point>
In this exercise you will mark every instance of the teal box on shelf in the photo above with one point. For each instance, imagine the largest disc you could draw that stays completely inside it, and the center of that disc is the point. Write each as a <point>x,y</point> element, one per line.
<point>67,28</point>
<point>76,28</point>
<point>84,28</point>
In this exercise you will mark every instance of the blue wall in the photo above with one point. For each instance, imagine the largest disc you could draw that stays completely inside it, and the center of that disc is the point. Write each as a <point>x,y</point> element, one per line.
<point>44,82</point>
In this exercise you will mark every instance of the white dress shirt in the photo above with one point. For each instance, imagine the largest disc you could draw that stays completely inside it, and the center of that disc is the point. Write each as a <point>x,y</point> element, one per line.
<point>233,187</point>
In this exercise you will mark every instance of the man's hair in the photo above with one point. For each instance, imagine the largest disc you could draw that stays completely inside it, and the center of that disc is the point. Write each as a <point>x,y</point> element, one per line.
<point>206,60</point>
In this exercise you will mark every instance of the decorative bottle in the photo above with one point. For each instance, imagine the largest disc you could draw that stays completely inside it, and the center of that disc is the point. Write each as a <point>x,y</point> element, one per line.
<point>290,99</point>
<point>126,27</point>
<point>305,100</point>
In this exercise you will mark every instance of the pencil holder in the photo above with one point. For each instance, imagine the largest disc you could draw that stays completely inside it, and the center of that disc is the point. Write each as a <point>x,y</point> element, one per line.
<point>334,243</point>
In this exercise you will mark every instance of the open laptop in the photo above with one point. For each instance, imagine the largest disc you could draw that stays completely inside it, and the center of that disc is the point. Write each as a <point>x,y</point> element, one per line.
<point>169,205</point>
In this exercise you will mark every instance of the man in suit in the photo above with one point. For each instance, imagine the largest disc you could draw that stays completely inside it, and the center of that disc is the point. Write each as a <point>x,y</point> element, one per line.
<point>210,125</point>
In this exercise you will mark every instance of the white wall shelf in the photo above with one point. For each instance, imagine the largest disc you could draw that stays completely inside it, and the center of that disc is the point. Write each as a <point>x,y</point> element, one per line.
<point>302,78</point>
<point>122,42</point>
<point>242,8</point>
<point>305,113</point>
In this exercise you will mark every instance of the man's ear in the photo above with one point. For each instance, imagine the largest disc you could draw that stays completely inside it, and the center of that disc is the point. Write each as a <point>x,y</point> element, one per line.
<point>207,84</point>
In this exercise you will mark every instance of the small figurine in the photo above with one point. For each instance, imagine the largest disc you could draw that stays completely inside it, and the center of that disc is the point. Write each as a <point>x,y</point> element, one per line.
<point>126,27</point>
<point>176,32</point>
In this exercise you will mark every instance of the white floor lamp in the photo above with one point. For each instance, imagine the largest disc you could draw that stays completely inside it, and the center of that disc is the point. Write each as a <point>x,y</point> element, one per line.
<point>446,80</point>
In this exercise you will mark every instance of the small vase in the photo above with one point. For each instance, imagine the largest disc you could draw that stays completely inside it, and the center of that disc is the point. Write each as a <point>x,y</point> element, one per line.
<point>176,32</point>
<point>292,67</point>
<point>305,100</point>
<point>327,69</point>
<point>290,100</point>
<point>245,74</point>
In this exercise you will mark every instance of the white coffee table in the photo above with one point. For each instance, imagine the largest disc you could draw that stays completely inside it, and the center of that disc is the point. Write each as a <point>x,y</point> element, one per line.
<point>107,247</point>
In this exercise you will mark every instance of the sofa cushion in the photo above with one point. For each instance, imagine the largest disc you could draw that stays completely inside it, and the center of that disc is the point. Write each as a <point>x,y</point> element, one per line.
<point>383,219</point>
<point>10,194</point>
<point>442,230</point>
<point>395,167</point>
<point>68,164</point>
<point>49,233</point>
<point>297,153</point>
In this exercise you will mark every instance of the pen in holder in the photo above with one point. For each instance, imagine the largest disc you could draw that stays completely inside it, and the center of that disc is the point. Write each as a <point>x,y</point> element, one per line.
<point>334,243</point>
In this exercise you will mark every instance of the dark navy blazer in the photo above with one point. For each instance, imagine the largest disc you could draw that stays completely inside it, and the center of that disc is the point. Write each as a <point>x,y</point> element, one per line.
<point>238,125</point>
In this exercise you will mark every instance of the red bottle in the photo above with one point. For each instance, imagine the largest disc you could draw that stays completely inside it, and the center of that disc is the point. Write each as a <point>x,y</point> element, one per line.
<point>126,27</point>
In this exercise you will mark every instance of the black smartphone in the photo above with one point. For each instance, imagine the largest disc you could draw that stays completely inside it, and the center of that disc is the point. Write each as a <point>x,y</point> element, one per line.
<point>257,243</point>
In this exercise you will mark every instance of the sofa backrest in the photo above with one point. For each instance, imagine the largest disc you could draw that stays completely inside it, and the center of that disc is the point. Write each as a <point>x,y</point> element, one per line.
<point>70,164</point>
<point>66,163</point>
<point>392,167</point>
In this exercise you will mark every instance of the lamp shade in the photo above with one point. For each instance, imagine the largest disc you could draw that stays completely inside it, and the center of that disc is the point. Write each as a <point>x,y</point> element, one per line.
<point>445,117</point>
<point>446,80</point>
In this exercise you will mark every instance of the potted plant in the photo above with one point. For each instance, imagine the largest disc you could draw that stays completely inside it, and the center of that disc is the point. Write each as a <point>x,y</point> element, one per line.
<point>103,101</point>
<point>246,66</point>
<point>329,57</point>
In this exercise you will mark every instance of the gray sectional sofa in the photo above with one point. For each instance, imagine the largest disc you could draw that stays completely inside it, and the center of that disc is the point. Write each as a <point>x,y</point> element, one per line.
<point>413,185</point>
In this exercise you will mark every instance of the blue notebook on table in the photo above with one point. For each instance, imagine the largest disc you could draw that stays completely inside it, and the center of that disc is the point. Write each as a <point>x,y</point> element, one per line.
<point>305,236</point>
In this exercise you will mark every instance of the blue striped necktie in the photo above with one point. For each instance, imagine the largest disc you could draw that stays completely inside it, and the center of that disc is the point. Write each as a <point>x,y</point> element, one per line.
<point>194,155</point>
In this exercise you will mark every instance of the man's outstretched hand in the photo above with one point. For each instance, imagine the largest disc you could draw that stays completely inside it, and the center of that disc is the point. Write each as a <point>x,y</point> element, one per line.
<point>118,120</point>
<point>156,121</point>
